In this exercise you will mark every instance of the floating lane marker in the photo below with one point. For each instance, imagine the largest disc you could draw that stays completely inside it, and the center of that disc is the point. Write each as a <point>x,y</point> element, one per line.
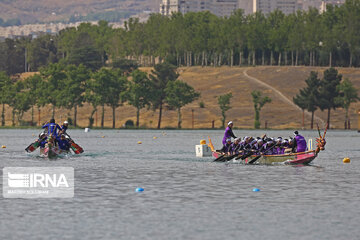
<point>346,160</point>
<point>154,137</point>
<point>139,189</point>
<point>3,146</point>
<point>139,142</point>
<point>256,190</point>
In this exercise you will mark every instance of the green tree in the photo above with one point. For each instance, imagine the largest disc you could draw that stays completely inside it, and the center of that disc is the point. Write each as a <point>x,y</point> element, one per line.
<point>107,87</point>
<point>308,96</point>
<point>350,26</point>
<point>116,87</point>
<point>179,94</point>
<point>5,83</point>
<point>41,51</point>
<point>331,33</point>
<point>19,100</point>
<point>296,36</point>
<point>85,52</point>
<point>348,95</point>
<point>259,102</point>
<point>313,33</point>
<point>329,91</point>
<point>224,104</point>
<point>162,74</point>
<point>256,34</point>
<point>93,95</point>
<point>54,77</point>
<point>72,93</point>
<point>34,86</point>
<point>140,92</point>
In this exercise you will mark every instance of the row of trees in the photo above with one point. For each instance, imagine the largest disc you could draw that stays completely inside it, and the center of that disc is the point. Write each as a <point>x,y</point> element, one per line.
<point>302,38</point>
<point>258,100</point>
<point>70,86</point>
<point>330,92</point>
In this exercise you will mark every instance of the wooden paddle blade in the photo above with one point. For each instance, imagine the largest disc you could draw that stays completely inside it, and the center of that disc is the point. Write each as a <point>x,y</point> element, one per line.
<point>238,157</point>
<point>219,158</point>
<point>254,160</point>
<point>229,158</point>
<point>32,147</point>
<point>246,156</point>
<point>76,148</point>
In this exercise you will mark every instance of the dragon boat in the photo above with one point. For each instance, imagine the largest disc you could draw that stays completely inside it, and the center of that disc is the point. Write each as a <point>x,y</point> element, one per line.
<point>51,150</point>
<point>290,158</point>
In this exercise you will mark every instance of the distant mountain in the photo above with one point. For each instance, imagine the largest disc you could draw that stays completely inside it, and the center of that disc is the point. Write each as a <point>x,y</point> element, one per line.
<point>33,11</point>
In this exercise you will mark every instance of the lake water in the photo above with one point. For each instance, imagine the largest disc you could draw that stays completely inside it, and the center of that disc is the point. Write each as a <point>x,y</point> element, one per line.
<point>185,197</point>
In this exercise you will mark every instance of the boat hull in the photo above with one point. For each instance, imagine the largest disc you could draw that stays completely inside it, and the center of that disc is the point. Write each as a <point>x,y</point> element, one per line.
<point>293,158</point>
<point>50,152</point>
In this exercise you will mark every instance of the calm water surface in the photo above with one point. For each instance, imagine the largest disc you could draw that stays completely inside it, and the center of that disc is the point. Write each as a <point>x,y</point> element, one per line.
<point>185,197</point>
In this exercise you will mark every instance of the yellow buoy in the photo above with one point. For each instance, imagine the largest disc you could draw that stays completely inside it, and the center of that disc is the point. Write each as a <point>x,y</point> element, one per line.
<point>203,142</point>
<point>139,142</point>
<point>102,136</point>
<point>346,160</point>
<point>3,146</point>
<point>154,137</point>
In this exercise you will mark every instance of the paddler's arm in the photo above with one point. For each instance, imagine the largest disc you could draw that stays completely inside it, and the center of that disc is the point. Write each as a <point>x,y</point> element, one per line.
<point>232,134</point>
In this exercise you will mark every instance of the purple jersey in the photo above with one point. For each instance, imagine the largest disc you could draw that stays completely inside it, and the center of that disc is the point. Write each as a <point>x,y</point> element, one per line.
<point>228,134</point>
<point>226,148</point>
<point>300,143</point>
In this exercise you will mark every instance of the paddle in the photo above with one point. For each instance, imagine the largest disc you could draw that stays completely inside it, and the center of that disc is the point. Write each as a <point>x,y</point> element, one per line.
<point>32,147</point>
<point>254,160</point>
<point>228,158</point>
<point>75,147</point>
<point>219,158</point>
<point>243,156</point>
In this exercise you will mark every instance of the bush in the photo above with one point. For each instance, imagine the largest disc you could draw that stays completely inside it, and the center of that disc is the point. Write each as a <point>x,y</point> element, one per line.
<point>70,121</point>
<point>129,123</point>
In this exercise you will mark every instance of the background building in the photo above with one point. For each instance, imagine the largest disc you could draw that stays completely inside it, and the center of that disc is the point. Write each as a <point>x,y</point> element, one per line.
<point>217,7</point>
<point>267,6</point>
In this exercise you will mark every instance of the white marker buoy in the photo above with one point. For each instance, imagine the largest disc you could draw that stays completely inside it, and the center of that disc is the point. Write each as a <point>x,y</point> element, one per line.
<point>87,129</point>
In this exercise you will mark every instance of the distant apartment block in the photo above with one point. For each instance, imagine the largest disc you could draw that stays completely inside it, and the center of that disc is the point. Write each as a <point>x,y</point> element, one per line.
<point>217,7</point>
<point>319,4</point>
<point>286,6</point>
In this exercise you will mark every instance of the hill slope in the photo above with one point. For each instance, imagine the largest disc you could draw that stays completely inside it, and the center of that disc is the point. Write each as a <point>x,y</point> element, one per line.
<point>212,82</point>
<point>31,11</point>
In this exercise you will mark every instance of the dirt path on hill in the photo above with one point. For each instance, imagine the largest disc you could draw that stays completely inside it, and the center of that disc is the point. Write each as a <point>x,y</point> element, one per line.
<point>281,96</point>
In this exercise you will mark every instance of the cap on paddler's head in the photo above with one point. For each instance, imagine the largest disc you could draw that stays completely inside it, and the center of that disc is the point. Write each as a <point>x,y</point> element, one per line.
<point>296,133</point>
<point>228,139</point>
<point>237,139</point>
<point>230,123</point>
<point>66,122</point>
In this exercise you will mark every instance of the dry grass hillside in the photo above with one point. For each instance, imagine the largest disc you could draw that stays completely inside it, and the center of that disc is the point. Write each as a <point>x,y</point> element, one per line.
<point>31,11</point>
<point>279,83</point>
